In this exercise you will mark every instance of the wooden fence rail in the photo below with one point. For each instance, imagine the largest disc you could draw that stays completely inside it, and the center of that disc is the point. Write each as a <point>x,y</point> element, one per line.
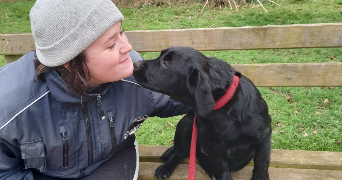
<point>212,39</point>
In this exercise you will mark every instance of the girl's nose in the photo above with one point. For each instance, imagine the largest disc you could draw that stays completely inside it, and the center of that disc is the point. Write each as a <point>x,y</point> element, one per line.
<point>126,46</point>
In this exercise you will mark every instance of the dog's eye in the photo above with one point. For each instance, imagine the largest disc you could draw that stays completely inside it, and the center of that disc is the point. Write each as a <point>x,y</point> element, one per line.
<point>164,64</point>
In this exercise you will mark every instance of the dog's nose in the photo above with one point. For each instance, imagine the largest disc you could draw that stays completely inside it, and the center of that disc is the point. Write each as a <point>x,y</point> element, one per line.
<point>137,64</point>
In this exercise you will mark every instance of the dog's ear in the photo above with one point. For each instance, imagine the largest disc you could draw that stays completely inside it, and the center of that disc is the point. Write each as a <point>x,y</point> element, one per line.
<point>199,88</point>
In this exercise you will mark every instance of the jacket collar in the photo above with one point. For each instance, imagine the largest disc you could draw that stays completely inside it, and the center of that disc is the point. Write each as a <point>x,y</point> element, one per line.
<point>62,91</point>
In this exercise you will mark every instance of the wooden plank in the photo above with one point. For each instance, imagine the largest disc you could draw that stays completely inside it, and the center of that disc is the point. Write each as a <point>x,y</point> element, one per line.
<point>239,38</point>
<point>299,159</point>
<point>286,75</point>
<point>293,74</point>
<point>146,172</point>
<point>16,43</point>
<point>209,39</point>
<point>151,153</point>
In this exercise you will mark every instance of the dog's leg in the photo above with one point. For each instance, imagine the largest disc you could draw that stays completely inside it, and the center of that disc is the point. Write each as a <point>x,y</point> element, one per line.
<point>203,161</point>
<point>224,176</point>
<point>176,154</point>
<point>165,171</point>
<point>262,159</point>
<point>167,154</point>
<point>218,164</point>
<point>222,173</point>
<point>238,164</point>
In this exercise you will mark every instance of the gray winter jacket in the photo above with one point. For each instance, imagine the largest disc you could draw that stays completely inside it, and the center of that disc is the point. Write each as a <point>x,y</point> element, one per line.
<point>45,129</point>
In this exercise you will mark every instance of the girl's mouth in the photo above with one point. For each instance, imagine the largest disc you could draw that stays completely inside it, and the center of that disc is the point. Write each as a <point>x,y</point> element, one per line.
<point>125,60</point>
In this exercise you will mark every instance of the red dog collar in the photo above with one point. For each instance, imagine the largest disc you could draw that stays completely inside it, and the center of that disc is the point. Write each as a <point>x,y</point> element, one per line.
<point>229,93</point>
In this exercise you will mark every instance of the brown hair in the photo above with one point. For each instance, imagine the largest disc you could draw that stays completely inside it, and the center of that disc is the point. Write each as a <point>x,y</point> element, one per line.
<point>74,74</point>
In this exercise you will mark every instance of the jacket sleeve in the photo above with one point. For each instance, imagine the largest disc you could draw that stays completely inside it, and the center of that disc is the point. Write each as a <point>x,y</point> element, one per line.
<point>135,56</point>
<point>167,107</point>
<point>11,164</point>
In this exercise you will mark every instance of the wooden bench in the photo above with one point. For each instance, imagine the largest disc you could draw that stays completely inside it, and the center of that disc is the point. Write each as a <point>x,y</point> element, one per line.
<point>285,164</point>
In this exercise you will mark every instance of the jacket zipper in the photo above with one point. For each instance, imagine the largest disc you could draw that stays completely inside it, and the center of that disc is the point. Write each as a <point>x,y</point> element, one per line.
<point>88,133</point>
<point>111,122</point>
<point>65,150</point>
<point>99,103</point>
<point>88,130</point>
<point>112,131</point>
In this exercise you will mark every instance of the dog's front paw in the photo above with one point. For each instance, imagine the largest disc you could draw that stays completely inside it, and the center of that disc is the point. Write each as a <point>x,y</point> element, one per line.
<point>162,172</point>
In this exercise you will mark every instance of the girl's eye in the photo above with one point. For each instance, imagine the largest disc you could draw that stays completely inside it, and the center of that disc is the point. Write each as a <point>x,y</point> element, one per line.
<point>112,46</point>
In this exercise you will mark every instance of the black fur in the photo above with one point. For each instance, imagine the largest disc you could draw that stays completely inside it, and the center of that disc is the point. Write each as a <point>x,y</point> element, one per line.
<point>231,136</point>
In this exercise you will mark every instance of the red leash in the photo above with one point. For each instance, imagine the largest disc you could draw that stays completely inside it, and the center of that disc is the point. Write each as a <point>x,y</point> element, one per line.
<point>220,103</point>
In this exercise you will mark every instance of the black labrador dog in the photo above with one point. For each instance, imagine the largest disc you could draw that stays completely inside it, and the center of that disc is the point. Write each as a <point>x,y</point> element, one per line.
<point>229,137</point>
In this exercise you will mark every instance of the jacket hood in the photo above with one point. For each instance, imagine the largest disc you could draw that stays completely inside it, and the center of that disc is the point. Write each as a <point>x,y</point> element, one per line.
<point>21,89</point>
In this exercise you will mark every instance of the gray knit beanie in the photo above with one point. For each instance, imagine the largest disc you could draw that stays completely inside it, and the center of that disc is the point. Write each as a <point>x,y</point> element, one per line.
<point>64,28</point>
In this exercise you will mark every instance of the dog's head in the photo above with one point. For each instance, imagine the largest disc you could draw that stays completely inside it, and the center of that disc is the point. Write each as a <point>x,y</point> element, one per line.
<point>186,75</point>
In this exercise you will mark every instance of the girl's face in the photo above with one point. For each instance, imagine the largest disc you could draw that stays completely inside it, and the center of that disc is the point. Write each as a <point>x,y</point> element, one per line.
<point>107,57</point>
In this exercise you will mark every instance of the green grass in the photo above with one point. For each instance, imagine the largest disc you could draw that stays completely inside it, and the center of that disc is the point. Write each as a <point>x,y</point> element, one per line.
<point>303,118</point>
<point>309,11</point>
<point>15,16</point>
<point>2,61</point>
